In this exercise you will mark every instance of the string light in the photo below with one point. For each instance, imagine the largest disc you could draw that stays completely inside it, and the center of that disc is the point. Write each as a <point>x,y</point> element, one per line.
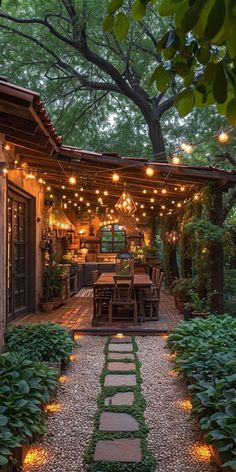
<point>155,191</point>
<point>115,177</point>
<point>105,192</point>
<point>188,148</point>
<point>196,197</point>
<point>223,137</point>
<point>97,191</point>
<point>144,191</point>
<point>48,189</point>
<point>63,187</point>
<point>149,171</point>
<point>72,180</point>
<point>152,200</point>
<point>175,159</point>
<point>41,181</point>
<point>81,189</point>
<point>7,147</point>
<point>81,199</point>
<point>76,194</point>
<point>163,191</point>
<point>182,188</point>
<point>63,196</point>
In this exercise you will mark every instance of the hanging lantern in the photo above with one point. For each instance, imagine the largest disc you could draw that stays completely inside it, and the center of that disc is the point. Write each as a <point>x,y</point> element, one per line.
<point>125,205</point>
<point>172,237</point>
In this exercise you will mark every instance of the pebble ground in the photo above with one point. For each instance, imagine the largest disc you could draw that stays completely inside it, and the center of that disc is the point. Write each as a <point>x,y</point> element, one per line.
<point>70,429</point>
<point>173,439</point>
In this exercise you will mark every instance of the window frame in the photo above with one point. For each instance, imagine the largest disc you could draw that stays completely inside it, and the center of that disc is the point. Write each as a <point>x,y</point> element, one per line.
<point>113,242</point>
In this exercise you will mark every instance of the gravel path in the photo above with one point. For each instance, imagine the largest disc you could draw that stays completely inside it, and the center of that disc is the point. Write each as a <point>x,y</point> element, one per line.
<point>172,438</point>
<point>70,428</point>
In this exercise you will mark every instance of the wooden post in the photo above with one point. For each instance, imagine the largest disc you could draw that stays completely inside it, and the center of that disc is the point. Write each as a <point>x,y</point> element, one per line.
<point>3,248</point>
<point>217,255</point>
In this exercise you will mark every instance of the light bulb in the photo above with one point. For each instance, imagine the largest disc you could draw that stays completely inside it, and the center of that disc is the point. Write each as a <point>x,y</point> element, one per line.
<point>149,171</point>
<point>188,148</point>
<point>72,180</point>
<point>115,177</point>
<point>175,159</point>
<point>163,191</point>
<point>223,137</point>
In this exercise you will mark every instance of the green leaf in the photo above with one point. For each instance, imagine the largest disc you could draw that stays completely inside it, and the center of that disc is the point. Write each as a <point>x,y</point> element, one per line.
<point>231,44</point>
<point>215,19</point>
<point>231,463</point>
<point>203,55</point>
<point>138,10</point>
<point>23,386</point>
<point>108,23</point>
<point>220,84</point>
<point>114,5</point>
<point>163,78</point>
<point>191,16</point>
<point>181,69</point>
<point>185,102</point>
<point>3,460</point>
<point>3,420</point>
<point>231,112</point>
<point>121,26</point>
<point>169,7</point>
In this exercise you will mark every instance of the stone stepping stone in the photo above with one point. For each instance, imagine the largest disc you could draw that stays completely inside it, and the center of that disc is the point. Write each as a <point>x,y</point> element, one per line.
<point>123,398</point>
<point>118,450</point>
<point>112,380</point>
<point>118,340</point>
<point>122,422</point>
<point>122,366</point>
<point>121,347</point>
<point>120,356</point>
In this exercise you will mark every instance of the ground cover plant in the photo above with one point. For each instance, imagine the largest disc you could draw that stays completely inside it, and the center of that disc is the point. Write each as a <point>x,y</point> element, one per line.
<point>136,410</point>
<point>42,342</point>
<point>24,386</point>
<point>205,352</point>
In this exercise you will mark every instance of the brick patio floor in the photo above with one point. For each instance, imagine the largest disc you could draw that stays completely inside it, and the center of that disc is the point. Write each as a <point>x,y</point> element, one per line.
<point>77,313</point>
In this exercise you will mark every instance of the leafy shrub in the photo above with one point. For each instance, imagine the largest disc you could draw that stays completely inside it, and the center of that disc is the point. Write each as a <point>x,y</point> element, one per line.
<point>43,342</point>
<point>182,288</point>
<point>206,354</point>
<point>24,386</point>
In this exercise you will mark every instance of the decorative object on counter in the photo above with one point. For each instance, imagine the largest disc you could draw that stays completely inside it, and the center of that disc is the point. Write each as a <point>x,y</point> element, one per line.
<point>125,263</point>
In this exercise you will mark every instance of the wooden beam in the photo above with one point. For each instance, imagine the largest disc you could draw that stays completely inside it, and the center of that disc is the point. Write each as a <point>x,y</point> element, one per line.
<point>3,245</point>
<point>217,256</point>
<point>19,124</point>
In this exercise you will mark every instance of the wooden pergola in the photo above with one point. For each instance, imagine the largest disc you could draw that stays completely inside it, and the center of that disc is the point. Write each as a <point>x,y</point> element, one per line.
<point>26,127</point>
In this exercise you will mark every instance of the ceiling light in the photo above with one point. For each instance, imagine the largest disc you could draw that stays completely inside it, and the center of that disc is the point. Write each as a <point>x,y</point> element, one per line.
<point>115,177</point>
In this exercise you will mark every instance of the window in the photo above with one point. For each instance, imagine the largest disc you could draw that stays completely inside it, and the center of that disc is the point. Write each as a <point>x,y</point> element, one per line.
<point>113,238</point>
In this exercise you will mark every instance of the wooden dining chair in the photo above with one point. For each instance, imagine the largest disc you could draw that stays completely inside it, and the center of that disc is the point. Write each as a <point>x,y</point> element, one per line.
<point>150,303</point>
<point>102,296</point>
<point>123,298</point>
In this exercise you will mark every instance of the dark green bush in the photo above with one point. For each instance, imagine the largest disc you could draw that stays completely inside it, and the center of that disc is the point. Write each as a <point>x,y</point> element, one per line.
<point>43,342</point>
<point>24,386</point>
<point>206,354</point>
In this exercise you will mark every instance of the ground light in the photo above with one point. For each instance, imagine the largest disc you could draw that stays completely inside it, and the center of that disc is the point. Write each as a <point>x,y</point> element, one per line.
<point>63,379</point>
<point>73,358</point>
<point>185,404</point>
<point>36,456</point>
<point>119,335</point>
<point>53,407</point>
<point>201,452</point>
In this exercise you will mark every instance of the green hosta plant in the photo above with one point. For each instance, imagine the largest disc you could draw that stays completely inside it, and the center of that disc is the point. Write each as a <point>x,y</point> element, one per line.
<point>24,386</point>
<point>45,342</point>
<point>206,355</point>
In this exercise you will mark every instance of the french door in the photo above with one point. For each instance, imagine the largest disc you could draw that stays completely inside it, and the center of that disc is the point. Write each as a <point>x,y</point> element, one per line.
<point>19,257</point>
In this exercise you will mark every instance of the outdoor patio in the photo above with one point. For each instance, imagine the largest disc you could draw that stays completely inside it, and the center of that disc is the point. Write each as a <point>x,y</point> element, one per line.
<point>77,314</point>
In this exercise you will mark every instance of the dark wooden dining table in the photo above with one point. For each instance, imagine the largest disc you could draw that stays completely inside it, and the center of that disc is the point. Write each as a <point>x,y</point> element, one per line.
<point>106,281</point>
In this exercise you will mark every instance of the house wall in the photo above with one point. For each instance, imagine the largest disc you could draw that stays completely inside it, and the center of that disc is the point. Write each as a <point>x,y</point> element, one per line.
<point>18,177</point>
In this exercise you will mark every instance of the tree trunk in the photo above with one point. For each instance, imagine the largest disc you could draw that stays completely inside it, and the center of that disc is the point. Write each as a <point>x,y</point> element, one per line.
<point>156,137</point>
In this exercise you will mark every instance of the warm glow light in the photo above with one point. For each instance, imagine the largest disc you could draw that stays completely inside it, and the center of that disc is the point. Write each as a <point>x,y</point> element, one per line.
<point>36,456</point>
<point>175,159</point>
<point>161,214</point>
<point>164,336</point>
<point>182,188</point>
<point>81,199</point>
<point>77,336</point>
<point>7,147</point>
<point>72,180</point>
<point>63,379</point>
<point>51,196</point>
<point>115,177</point>
<point>223,137</point>
<point>149,171</point>
<point>41,181</point>
<point>196,197</point>
<point>185,405</point>
<point>201,452</point>
<point>63,196</point>
<point>81,189</point>
<point>163,207</point>
<point>141,206</point>
<point>73,358</point>
<point>53,407</point>
<point>144,191</point>
<point>155,191</point>
<point>4,171</point>
<point>63,187</point>
<point>144,214</point>
<point>119,335</point>
<point>87,204</point>
<point>152,200</point>
<point>163,191</point>
<point>179,205</point>
<point>105,192</point>
<point>48,188</point>
<point>97,192</point>
<point>76,194</point>
<point>173,373</point>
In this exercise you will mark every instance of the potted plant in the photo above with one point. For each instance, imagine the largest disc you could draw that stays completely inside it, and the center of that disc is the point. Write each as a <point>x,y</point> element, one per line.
<point>181,291</point>
<point>52,284</point>
<point>200,306</point>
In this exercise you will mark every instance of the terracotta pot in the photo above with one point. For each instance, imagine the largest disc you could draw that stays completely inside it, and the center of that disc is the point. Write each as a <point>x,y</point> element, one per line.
<point>57,302</point>
<point>47,306</point>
